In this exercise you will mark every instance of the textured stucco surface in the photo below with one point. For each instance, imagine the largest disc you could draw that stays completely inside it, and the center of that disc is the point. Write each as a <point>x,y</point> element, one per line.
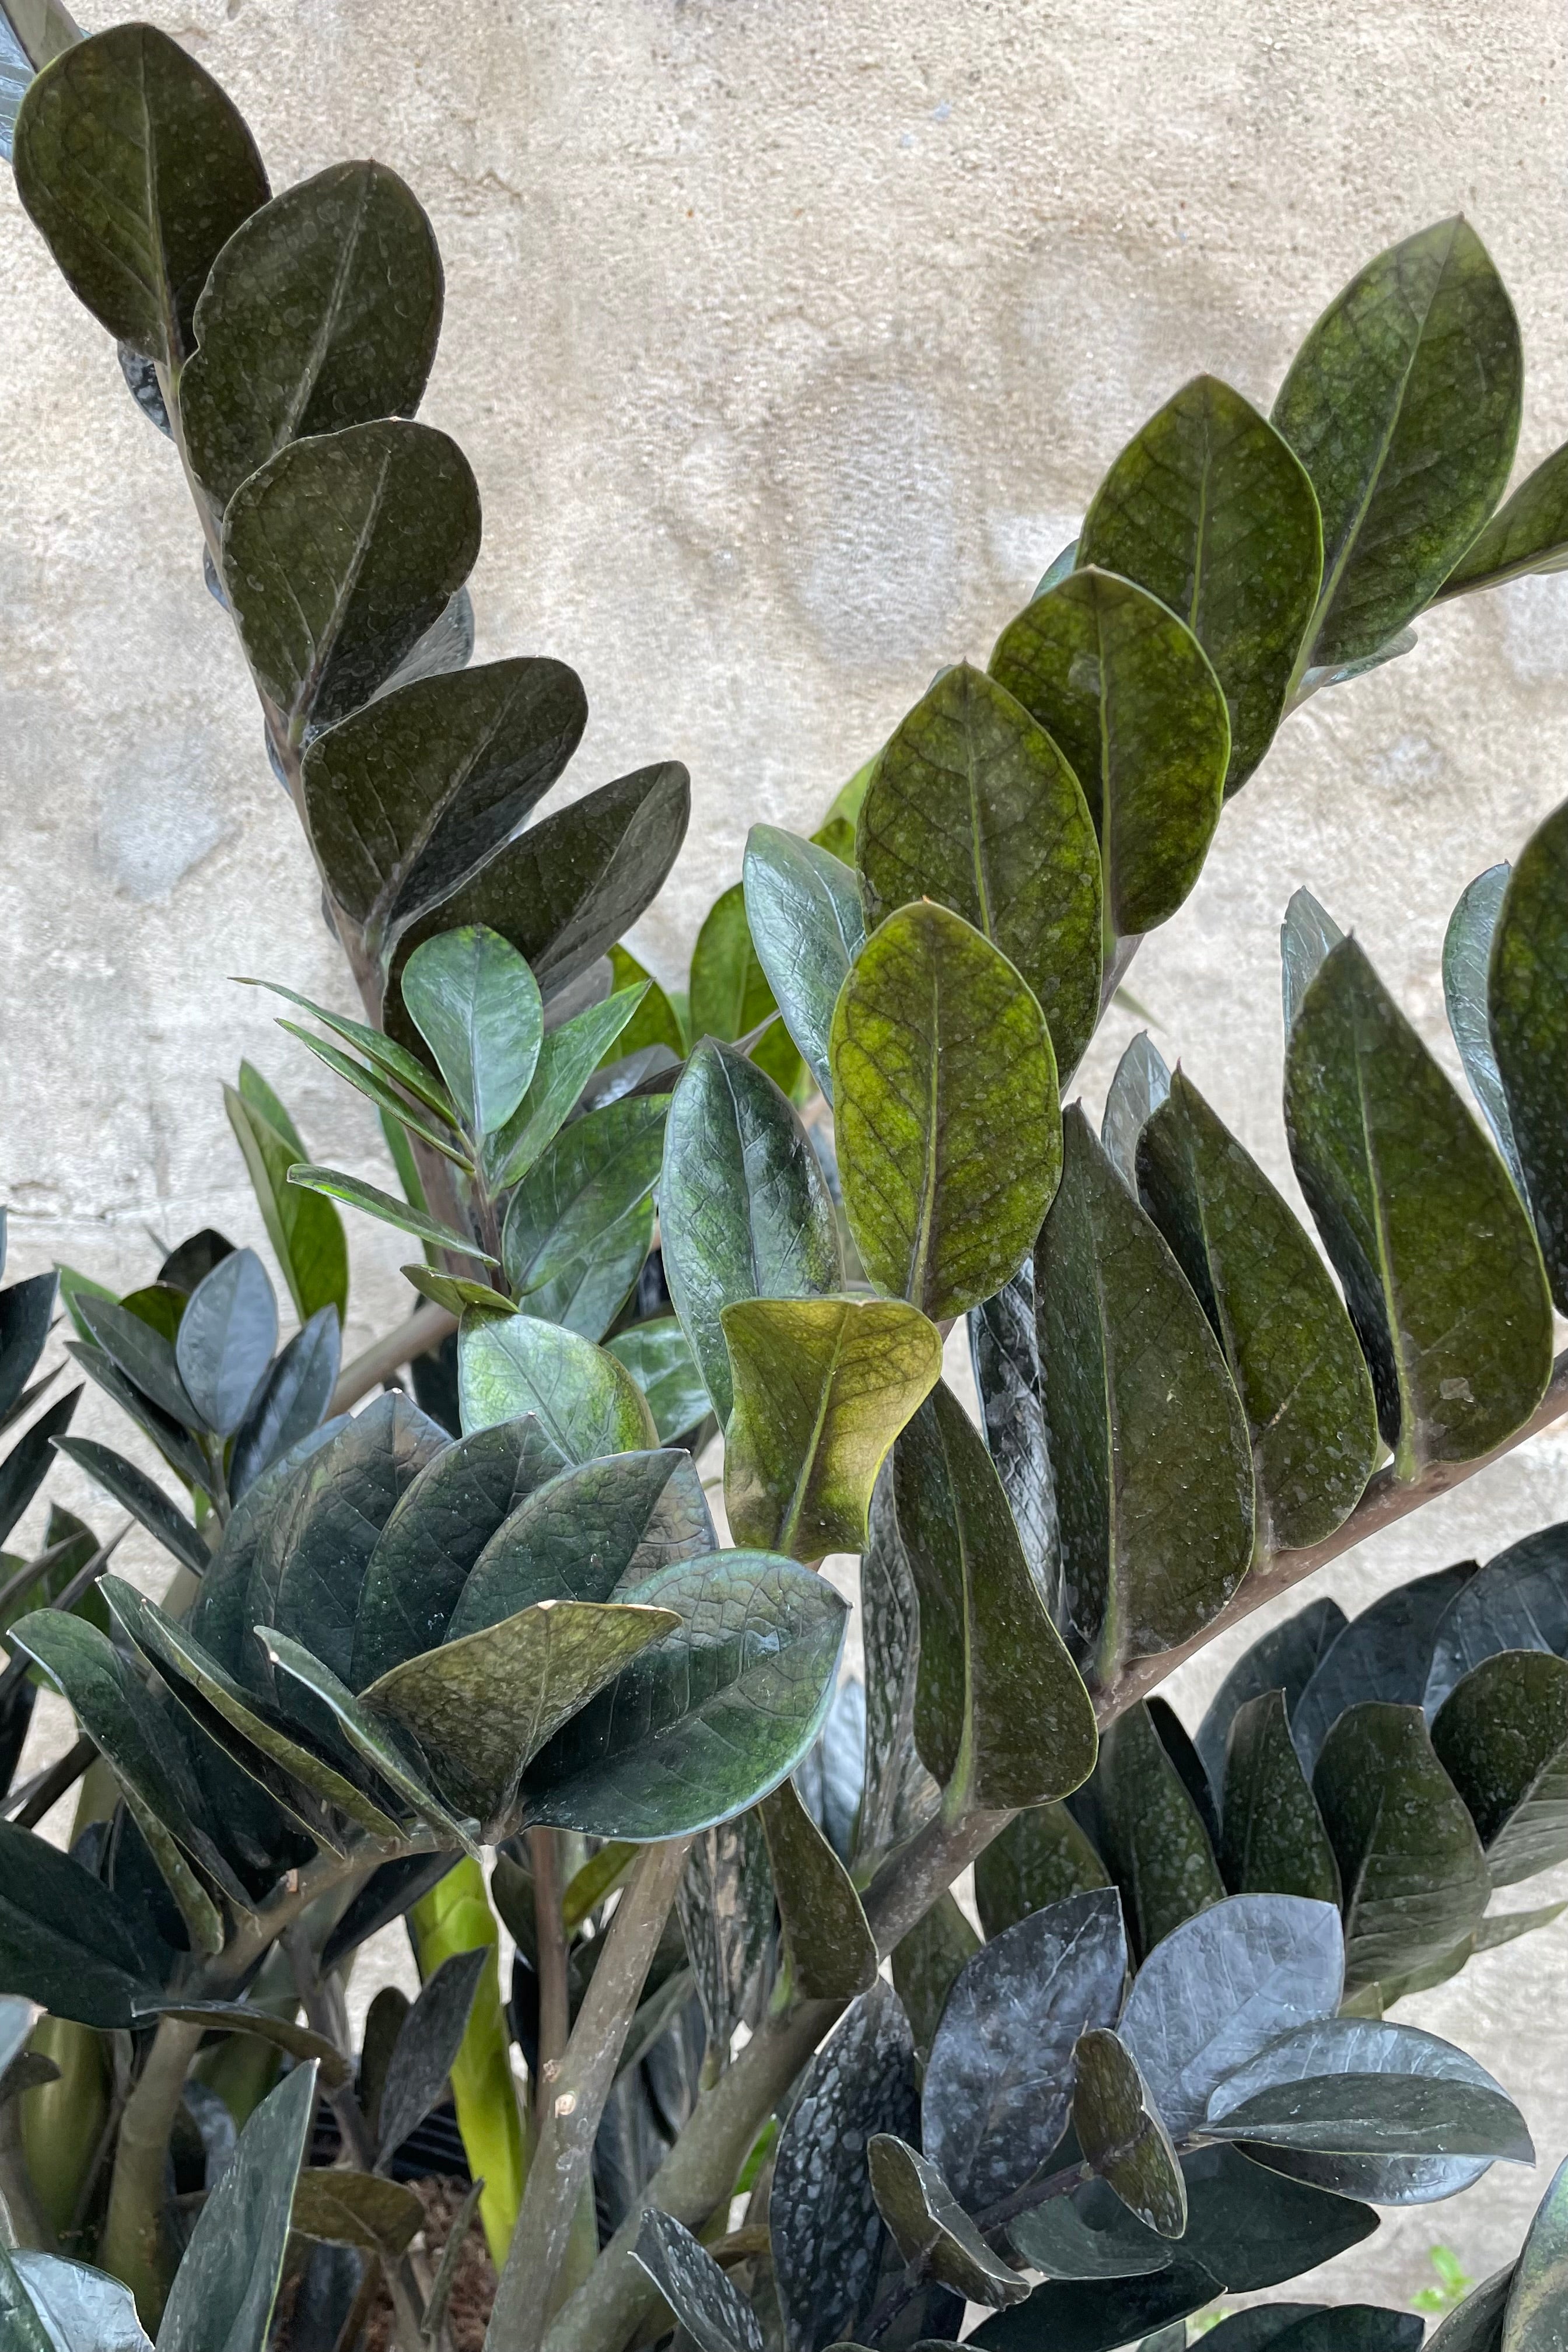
<point>788,341</point>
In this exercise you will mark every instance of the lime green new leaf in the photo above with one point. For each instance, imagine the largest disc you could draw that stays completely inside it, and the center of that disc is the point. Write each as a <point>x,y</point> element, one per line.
<point>1528,997</point>
<point>802,905</point>
<point>1441,1269</point>
<point>455,1295</point>
<point>1127,691</point>
<point>730,992</point>
<point>1292,1350</point>
<point>1148,1439</point>
<point>947,1125</point>
<point>1274,1841</point>
<point>587,1403</point>
<point>659,1359</point>
<point>338,554</point>
<point>1529,533</point>
<point>483,1706</point>
<point>580,1224</point>
<point>931,2227</point>
<point>832,1951</point>
<point>477,1007</point>
<point>1415,1878</point>
<point>745,1208</point>
<point>1467,975</point>
<point>999,1708</point>
<point>1402,404</point>
<point>1501,1736</point>
<point>136,168</point>
<point>1208,509</point>
<point>822,1388</point>
<point>394,1061</point>
<point>568,1057</point>
<point>391,1210</point>
<point>1122,2135</point>
<point>974,805</point>
<point>1042,1856</point>
<point>1536,2317</point>
<point>321,310</point>
<point>1149,1832</point>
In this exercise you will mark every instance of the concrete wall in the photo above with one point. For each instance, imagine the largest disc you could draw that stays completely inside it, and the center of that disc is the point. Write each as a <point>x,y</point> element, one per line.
<point>788,342</point>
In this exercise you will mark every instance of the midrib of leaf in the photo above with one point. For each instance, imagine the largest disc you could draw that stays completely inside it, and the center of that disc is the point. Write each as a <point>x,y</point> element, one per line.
<point>315,358</point>
<point>803,1479</point>
<point>321,645</point>
<point>1403,1452</point>
<point>163,290</point>
<point>915,1288</point>
<point>976,836</point>
<point>1106,920</point>
<point>1109,1645</point>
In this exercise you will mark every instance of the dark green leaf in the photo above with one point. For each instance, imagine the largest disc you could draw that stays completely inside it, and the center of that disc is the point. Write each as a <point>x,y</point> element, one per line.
<point>50,2305</point>
<point>453,1293</point>
<point>1501,1736</point>
<point>477,1005</point>
<point>1529,1004</point>
<point>947,1126</point>
<point>240,2016</point>
<point>707,1720</point>
<point>1122,2135</point>
<point>1004,1355</point>
<point>567,889</point>
<point>1315,2327</point>
<point>1221,1987</point>
<point>226,1339</point>
<point>144,1355</point>
<point>1420,1217</point>
<point>1283,1659</point>
<point>1504,1927</point>
<point>1261,2329</point>
<point>436,1531</point>
<point>290,1401</point>
<point>159,1305</point>
<point>1306,936</point>
<point>422,2057</point>
<point>1529,533</point>
<point>588,1533</point>
<point>730,992</point>
<point>1092,2316</point>
<point>1416,1879</point>
<point>1477,2324</point>
<point>899,1792</point>
<point>659,1359</point>
<point>1155,1484</point>
<point>1208,510</point>
<point>191,1260</point>
<point>1517,1602</point>
<point>826,2232</point>
<point>822,1387</point>
<point>406,1069</point>
<point>1042,1856</point>
<point>322,310</point>
<point>714,2314</point>
<point>998,2086</point>
<point>1373,2114</point>
<point>365,1733</point>
<point>26,1310</point>
<point>1402,404</point>
<point>972,805</point>
<point>65,1940</point>
<point>1274,1842</point>
<point>745,1208</point>
<point>367,1080</point>
<point>1089,2235</point>
<point>1380,1654</point>
<point>803,906</point>
<point>1467,967</point>
<point>220,1614</point>
<point>387,1209</point>
<point>339,2208</point>
<point>587,1402</point>
<point>927,1963</point>
<point>177,1446</point>
<point>931,2228</point>
<point>137,1494</point>
<point>1126,690</point>
<point>581,1221</point>
<point>305,1229</point>
<point>568,1057</point>
<point>725,1907</point>
<point>338,554</point>
<point>1537,2313</point>
<point>657,1021</point>
<point>999,1703</point>
<point>136,168</point>
<point>1294,1357</point>
<point>832,1951</point>
<point>1141,1084</point>
<point>1149,1832</point>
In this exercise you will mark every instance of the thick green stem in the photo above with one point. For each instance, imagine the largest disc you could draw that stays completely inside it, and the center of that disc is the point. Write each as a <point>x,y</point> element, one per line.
<point>554,1997</point>
<point>133,2245</point>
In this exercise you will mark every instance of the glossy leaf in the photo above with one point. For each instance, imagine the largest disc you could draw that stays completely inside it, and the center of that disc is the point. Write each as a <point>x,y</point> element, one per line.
<point>1306,936</point>
<point>371,1739</point>
<point>998,2086</point>
<point>585,1400</point>
<point>1373,2115</point>
<point>1089,2235</point>
<point>1501,1736</point>
<point>711,2312</point>
<point>931,2227</point>
<point>972,805</point>
<point>227,2282</point>
<point>710,1718</point>
<point>745,1208</point>
<point>807,925</point>
<point>822,1387</point>
<point>825,2230</point>
<point>832,1951</point>
<point>322,310</point>
<point>1223,1987</point>
<point>1466,967</point>
<point>66,1939</point>
<point>1415,1878</point>
<point>394,1107</point>
<point>1529,533</point>
<point>1292,1350</point>
<point>304,1229</point>
<point>1529,1004</point>
<point>387,1209</point>
<point>1427,1233</point>
<point>1380,1654</point>
<point>339,553</point>
<point>1041,1857</point>
<point>1274,1842</point>
<point>1208,510</point>
<point>67,2308</point>
<point>581,1223</point>
<point>999,1704</point>
<point>1536,2319</point>
<point>926,1965</point>
<point>725,1907</point>
<point>26,1466</point>
<point>1126,691</point>
<point>27,1309</point>
<point>1155,1482</point>
<point>1149,1832</point>
<point>226,1339</point>
<point>1005,1356</point>
<point>340,2208</point>
<point>899,1791</point>
<point>1284,1659</point>
<point>1403,405</point>
<point>290,1401</point>
<point>406,1069</point>
<point>423,2054</point>
<point>729,994</point>
<point>1122,2135</point>
<point>1476,2324</point>
<point>659,1359</point>
<point>136,1492</point>
<point>1141,1083</point>
<point>144,1355</point>
<point>136,168</point>
<point>1517,1602</point>
<point>477,1007</point>
<point>568,1057</point>
<point>945,1107</point>
<point>435,1533</point>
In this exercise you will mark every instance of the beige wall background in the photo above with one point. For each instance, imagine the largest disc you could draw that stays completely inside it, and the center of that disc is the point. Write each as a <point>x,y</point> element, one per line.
<point>788,341</point>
